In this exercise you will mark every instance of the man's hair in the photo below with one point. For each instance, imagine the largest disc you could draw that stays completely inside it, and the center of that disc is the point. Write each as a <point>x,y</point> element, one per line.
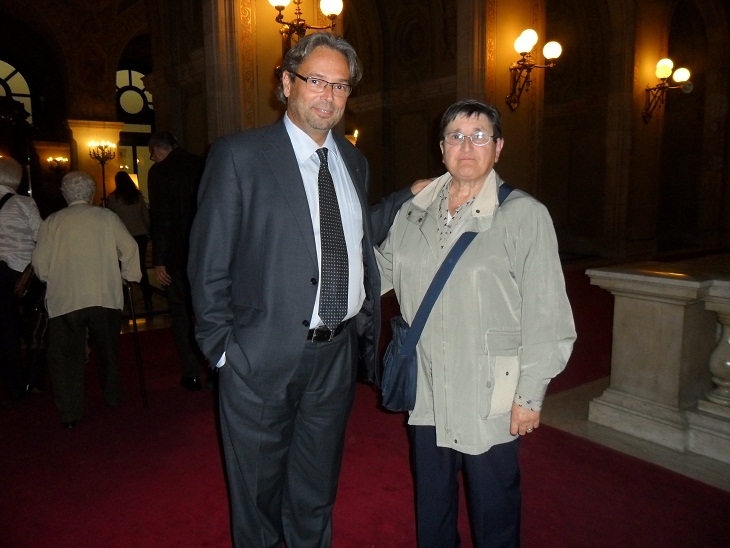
<point>11,172</point>
<point>78,185</point>
<point>472,108</point>
<point>162,139</point>
<point>296,56</point>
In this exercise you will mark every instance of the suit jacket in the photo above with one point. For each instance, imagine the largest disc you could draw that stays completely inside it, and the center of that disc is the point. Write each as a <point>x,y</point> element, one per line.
<point>253,262</point>
<point>172,186</point>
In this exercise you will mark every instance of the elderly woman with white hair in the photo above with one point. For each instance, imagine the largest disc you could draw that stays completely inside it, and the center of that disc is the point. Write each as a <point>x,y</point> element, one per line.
<point>19,222</point>
<point>78,255</point>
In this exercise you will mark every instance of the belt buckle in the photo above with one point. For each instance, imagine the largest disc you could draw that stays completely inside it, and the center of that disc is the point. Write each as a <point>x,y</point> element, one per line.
<point>322,334</point>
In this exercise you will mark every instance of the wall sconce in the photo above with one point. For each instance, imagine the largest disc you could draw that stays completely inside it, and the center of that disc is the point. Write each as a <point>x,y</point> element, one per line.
<point>102,153</point>
<point>520,70</point>
<point>656,95</point>
<point>58,163</point>
<point>330,8</point>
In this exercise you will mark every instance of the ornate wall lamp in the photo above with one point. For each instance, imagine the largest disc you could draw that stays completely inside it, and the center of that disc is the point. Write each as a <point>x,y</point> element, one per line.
<point>521,70</point>
<point>58,165</point>
<point>656,95</point>
<point>330,8</point>
<point>102,152</point>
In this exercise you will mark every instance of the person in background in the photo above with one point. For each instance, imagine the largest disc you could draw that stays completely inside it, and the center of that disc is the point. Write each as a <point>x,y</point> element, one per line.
<point>259,258</point>
<point>78,255</point>
<point>127,202</point>
<point>501,329</point>
<point>19,222</point>
<point>172,185</point>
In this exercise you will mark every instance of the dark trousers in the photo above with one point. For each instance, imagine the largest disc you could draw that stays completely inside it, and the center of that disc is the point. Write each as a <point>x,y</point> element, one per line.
<point>67,336</point>
<point>492,484</point>
<point>10,333</point>
<point>181,313</point>
<point>283,451</point>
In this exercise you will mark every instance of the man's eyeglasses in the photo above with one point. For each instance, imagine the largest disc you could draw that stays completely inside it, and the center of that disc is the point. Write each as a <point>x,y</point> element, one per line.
<point>318,85</point>
<point>478,139</point>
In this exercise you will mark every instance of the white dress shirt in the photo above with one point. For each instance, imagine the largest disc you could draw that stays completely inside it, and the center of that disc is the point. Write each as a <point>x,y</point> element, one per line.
<point>305,150</point>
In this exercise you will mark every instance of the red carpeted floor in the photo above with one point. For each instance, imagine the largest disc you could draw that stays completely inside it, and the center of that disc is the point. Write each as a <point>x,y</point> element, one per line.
<point>153,477</point>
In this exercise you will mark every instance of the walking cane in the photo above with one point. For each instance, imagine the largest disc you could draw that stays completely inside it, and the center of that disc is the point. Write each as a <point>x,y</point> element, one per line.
<point>137,349</point>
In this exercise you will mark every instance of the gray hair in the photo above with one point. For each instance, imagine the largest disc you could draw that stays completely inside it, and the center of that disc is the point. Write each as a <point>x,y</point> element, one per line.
<point>11,172</point>
<point>78,186</point>
<point>472,109</point>
<point>163,139</point>
<point>296,56</point>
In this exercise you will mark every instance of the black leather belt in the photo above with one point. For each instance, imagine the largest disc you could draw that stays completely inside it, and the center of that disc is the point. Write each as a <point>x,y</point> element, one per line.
<point>324,334</point>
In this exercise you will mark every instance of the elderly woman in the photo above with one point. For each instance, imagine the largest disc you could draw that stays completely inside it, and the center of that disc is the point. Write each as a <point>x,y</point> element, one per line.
<point>79,253</point>
<point>501,329</point>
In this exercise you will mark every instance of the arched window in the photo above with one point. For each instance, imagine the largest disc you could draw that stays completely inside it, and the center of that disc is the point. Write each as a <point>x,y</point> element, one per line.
<point>14,85</point>
<point>134,103</point>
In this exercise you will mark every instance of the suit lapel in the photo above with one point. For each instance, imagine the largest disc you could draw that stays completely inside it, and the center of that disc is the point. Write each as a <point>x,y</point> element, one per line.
<point>352,164</point>
<point>282,161</point>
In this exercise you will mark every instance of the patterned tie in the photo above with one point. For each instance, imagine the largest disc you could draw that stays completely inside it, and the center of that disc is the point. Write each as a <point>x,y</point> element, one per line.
<point>335,271</point>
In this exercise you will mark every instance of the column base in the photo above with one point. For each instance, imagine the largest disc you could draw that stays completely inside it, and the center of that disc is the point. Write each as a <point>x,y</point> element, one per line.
<point>709,431</point>
<point>640,418</point>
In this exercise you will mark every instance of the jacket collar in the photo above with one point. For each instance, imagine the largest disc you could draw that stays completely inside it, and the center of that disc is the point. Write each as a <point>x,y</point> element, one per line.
<point>483,206</point>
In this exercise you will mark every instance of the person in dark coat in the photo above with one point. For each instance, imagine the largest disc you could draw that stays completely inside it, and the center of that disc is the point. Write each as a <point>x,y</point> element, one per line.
<point>172,186</point>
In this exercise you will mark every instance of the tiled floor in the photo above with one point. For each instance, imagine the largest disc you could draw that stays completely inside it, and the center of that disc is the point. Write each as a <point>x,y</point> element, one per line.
<point>568,411</point>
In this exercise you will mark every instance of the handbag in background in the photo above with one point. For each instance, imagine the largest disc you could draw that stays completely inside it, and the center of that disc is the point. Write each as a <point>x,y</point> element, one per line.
<point>23,284</point>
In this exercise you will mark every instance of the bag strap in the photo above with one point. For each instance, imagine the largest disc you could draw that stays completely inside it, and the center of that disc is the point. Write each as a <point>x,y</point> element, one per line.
<point>5,198</point>
<point>504,191</point>
<point>439,280</point>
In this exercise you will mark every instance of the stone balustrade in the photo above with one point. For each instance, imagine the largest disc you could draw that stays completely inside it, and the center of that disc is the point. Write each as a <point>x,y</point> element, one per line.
<point>670,363</point>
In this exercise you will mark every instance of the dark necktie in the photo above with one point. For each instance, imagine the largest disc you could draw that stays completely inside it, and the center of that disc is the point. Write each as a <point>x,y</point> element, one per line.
<point>335,271</point>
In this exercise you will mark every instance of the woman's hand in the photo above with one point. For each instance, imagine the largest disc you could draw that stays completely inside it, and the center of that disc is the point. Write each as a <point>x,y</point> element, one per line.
<point>523,421</point>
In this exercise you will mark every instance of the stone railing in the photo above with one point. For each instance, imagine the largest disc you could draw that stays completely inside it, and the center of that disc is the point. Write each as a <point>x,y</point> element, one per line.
<point>670,363</point>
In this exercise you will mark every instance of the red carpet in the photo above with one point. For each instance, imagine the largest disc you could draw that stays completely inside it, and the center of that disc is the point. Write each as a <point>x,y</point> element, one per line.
<point>131,477</point>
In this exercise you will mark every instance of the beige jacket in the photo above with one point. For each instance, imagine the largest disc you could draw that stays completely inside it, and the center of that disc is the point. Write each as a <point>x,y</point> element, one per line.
<point>79,253</point>
<point>501,328</point>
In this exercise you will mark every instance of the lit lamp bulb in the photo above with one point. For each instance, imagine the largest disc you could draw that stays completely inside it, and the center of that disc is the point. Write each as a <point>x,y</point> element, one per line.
<point>352,138</point>
<point>664,68</point>
<point>680,75</point>
<point>279,4</point>
<point>552,50</point>
<point>330,8</point>
<point>525,42</point>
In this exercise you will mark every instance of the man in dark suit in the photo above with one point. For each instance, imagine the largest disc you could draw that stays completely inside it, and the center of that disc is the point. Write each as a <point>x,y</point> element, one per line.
<point>172,185</point>
<point>286,380</point>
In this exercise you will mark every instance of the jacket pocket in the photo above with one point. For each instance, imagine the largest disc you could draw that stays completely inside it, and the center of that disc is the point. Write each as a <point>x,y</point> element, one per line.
<point>502,372</point>
<point>245,316</point>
